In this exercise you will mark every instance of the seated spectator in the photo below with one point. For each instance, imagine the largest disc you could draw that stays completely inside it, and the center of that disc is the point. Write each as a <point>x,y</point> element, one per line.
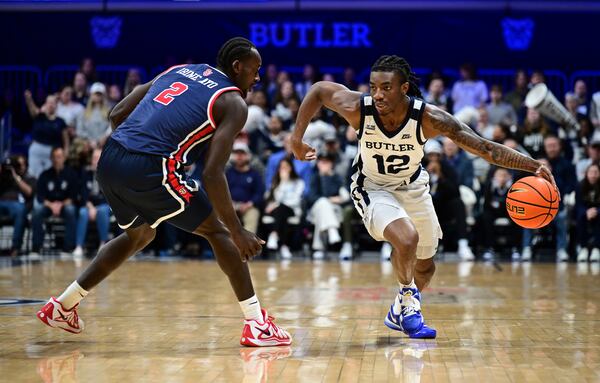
<point>448,205</point>
<point>271,140</point>
<point>133,79</point>
<point>593,156</point>
<point>436,94</point>
<point>500,112</point>
<point>581,97</point>
<point>341,161</point>
<point>484,127</point>
<point>302,168</point>
<point>537,77</point>
<point>595,112</point>
<point>258,112</point>
<point>93,207</point>
<point>516,97</point>
<point>67,109</point>
<point>462,165</point>
<point>246,187</point>
<point>80,88</point>
<point>564,175</point>
<point>269,83</point>
<point>468,91</point>
<point>94,125</point>
<point>317,130</point>
<point>284,200</point>
<point>532,133</point>
<point>587,214</point>
<point>114,95</point>
<point>57,190</point>
<point>48,131</point>
<point>16,192</point>
<point>327,194</point>
<point>350,79</point>
<point>494,207</point>
<point>309,77</point>
<point>88,68</point>
<point>285,93</point>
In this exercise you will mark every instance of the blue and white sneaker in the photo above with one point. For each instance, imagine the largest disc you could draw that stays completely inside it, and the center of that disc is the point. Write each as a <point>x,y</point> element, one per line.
<point>410,320</point>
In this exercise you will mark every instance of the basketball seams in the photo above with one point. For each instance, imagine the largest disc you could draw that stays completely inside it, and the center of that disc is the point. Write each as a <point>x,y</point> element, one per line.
<point>547,211</point>
<point>529,203</point>
<point>537,191</point>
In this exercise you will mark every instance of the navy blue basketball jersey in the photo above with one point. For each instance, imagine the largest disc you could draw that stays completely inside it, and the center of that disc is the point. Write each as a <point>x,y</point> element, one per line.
<point>174,120</point>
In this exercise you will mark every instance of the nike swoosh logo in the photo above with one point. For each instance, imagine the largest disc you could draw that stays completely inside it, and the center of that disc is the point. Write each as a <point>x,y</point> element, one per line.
<point>265,332</point>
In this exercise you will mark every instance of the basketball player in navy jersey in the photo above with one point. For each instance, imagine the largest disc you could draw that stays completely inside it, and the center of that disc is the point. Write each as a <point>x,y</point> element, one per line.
<point>390,188</point>
<point>188,113</point>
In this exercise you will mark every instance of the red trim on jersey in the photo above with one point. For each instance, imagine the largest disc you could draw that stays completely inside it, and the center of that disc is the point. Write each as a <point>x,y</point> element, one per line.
<point>173,180</point>
<point>214,97</point>
<point>188,142</point>
<point>167,71</point>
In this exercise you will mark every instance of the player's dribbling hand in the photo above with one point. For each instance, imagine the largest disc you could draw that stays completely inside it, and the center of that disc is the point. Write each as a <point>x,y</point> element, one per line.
<point>546,174</point>
<point>248,244</point>
<point>303,151</point>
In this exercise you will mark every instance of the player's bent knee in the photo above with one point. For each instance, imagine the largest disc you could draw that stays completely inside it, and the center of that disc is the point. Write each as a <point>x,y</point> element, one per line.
<point>141,236</point>
<point>406,242</point>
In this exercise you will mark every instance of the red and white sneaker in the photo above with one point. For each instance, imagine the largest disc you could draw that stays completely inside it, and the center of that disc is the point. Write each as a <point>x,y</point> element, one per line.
<point>55,315</point>
<point>264,334</point>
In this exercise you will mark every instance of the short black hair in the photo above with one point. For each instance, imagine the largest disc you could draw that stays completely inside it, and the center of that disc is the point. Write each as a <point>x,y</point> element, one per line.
<point>236,48</point>
<point>399,65</point>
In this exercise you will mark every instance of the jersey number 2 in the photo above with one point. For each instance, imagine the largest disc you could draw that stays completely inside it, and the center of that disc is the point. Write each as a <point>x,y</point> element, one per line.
<point>393,168</point>
<point>166,96</point>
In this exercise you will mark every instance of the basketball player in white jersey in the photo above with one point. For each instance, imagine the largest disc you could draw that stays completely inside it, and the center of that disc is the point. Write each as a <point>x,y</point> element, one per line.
<point>389,188</point>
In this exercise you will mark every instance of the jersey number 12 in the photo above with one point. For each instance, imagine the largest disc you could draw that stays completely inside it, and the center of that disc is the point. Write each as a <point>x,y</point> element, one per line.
<point>392,168</point>
<point>168,95</point>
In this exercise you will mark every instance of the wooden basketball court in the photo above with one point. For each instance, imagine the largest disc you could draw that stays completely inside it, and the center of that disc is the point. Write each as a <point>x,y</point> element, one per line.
<point>180,322</point>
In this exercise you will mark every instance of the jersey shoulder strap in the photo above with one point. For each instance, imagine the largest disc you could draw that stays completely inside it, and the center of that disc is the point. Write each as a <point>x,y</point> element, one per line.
<point>366,114</point>
<point>417,116</point>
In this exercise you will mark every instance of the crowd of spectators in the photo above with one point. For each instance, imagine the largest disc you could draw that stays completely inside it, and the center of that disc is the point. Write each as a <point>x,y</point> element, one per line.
<point>297,205</point>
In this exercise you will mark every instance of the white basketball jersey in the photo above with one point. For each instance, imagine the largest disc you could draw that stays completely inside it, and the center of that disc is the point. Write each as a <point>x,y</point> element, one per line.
<point>384,159</point>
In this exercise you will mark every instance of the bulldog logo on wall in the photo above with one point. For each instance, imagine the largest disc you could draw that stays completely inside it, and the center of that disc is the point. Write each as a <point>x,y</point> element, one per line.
<point>517,33</point>
<point>106,31</point>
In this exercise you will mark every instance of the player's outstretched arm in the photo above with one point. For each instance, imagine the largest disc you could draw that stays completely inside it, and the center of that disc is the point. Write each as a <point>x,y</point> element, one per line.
<point>331,95</point>
<point>124,108</point>
<point>230,113</point>
<point>438,122</point>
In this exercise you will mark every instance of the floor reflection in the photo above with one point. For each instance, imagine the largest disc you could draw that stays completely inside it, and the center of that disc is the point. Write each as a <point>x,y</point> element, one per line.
<point>60,369</point>
<point>258,360</point>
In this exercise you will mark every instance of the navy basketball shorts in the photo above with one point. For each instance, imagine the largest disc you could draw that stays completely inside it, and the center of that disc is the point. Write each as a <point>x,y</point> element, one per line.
<point>143,188</point>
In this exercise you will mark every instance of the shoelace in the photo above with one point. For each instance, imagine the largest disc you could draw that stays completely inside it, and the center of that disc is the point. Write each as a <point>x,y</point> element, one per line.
<point>281,333</point>
<point>72,318</point>
<point>410,305</point>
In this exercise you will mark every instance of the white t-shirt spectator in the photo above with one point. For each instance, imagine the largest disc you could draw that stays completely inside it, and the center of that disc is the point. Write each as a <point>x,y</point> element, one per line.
<point>468,93</point>
<point>316,131</point>
<point>70,112</point>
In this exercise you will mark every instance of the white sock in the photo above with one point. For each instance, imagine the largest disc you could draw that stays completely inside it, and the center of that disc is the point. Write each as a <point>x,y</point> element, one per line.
<point>398,300</point>
<point>251,309</point>
<point>463,243</point>
<point>72,295</point>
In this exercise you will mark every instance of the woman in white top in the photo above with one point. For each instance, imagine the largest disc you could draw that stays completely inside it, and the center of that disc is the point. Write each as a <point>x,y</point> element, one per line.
<point>284,200</point>
<point>93,124</point>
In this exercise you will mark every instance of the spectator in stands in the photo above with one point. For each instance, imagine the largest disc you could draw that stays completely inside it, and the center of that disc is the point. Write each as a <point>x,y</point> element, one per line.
<point>80,88</point>
<point>48,131</point>
<point>593,156</point>
<point>258,112</point>
<point>246,187</point>
<point>114,95</point>
<point>468,91</point>
<point>484,127</point>
<point>537,77</point>
<point>587,214</point>
<point>516,97</point>
<point>564,175</point>
<point>317,130</point>
<point>133,79</point>
<point>595,112</point>
<point>271,140</point>
<point>67,109</point>
<point>284,200</point>
<point>498,110</point>
<point>16,192</point>
<point>436,93</point>
<point>458,160</point>
<point>445,193</point>
<point>269,83</point>
<point>581,96</point>
<point>309,77</point>
<point>93,207</point>
<point>532,133</point>
<point>302,168</point>
<point>327,195</point>
<point>350,79</point>
<point>57,190</point>
<point>88,68</point>
<point>494,207</point>
<point>94,125</point>
<point>285,93</point>
<point>331,147</point>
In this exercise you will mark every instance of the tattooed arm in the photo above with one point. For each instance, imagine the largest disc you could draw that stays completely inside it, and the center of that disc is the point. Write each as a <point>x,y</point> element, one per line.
<point>438,122</point>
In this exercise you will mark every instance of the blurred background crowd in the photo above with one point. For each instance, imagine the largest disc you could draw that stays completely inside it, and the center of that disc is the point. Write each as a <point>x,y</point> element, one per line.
<point>50,201</point>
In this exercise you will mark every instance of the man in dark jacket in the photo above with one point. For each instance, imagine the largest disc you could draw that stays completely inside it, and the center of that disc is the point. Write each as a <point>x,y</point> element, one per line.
<point>57,190</point>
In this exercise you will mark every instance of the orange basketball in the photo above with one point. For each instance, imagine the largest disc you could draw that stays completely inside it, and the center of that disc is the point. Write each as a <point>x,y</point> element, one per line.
<point>532,202</point>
